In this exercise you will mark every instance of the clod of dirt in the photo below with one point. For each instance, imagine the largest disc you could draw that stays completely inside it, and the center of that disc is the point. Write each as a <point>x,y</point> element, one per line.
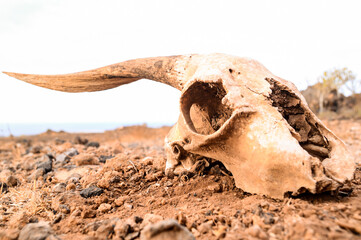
<point>91,192</point>
<point>168,229</point>
<point>36,231</point>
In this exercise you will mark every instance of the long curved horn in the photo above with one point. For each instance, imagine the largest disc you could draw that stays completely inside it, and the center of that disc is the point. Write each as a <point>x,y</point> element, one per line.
<point>160,69</point>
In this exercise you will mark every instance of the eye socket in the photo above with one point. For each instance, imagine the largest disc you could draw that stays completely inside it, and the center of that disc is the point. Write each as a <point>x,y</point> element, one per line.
<point>202,107</point>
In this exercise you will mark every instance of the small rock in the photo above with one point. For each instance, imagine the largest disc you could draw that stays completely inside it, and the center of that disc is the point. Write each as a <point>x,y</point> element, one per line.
<point>205,227</point>
<point>70,186</point>
<point>3,187</point>
<point>220,232</point>
<point>62,158</point>
<point>71,152</point>
<point>37,174</point>
<point>64,208</point>
<point>59,188</point>
<point>120,201</point>
<point>256,232</point>
<point>12,181</point>
<point>35,231</point>
<point>147,161</point>
<point>181,218</point>
<point>93,144</point>
<point>215,188</point>
<point>104,207</point>
<point>91,191</point>
<point>121,229</point>
<point>168,229</point>
<point>80,140</point>
<point>47,164</point>
<point>132,236</point>
<point>35,149</point>
<point>9,234</point>
<point>128,206</point>
<point>150,218</point>
<point>85,159</point>
<point>104,158</point>
<point>137,219</point>
<point>88,213</point>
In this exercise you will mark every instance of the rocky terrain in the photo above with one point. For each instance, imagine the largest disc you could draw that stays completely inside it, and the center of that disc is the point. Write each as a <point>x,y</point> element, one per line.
<point>112,185</point>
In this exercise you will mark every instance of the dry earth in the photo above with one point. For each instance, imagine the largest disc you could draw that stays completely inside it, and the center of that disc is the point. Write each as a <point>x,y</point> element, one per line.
<point>112,186</point>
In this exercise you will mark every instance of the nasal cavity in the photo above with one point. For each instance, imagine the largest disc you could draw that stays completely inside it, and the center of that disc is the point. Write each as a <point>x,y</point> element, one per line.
<point>202,107</point>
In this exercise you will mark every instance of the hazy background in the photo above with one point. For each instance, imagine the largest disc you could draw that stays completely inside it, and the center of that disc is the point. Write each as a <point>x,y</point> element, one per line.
<point>296,40</point>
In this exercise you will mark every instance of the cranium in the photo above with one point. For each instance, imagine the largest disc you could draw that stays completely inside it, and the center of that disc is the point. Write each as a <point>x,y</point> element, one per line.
<point>235,111</point>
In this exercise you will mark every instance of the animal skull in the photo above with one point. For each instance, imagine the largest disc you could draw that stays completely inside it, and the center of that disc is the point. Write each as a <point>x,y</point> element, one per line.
<point>235,111</point>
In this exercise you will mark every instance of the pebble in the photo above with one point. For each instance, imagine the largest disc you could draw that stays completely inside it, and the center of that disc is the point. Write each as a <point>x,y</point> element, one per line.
<point>205,227</point>
<point>181,218</point>
<point>35,231</point>
<point>59,188</point>
<point>93,144</point>
<point>150,218</point>
<point>47,165</point>
<point>71,152</point>
<point>88,213</point>
<point>35,149</point>
<point>62,158</point>
<point>167,229</point>
<point>86,159</point>
<point>128,206</point>
<point>220,232</point>
<point>12,181</point>
<point>70,186</point>
<point>256,232</point>
<point>91,192</point>
<point>9,234</point>
<point>215,188</point>
<point>121,229</point>
<point>37,174</point>
<point>80,140</point>
<point>104,207</point>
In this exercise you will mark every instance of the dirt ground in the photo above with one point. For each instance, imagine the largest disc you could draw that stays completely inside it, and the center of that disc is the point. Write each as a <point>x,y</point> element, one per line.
<point>112,186</point>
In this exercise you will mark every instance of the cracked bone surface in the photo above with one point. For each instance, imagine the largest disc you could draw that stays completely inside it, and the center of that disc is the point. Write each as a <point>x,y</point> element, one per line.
<point>235,111</point>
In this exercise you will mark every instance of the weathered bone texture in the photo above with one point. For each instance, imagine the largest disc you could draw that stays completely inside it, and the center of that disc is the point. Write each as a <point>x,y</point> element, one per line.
<point>237,112</point>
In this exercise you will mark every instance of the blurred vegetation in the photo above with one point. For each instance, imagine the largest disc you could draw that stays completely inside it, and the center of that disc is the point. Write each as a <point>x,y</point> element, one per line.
<point>335,95</point>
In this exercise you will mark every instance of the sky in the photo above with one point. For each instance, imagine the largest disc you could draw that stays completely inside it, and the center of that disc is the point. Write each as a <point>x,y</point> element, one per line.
<point>296,40</point>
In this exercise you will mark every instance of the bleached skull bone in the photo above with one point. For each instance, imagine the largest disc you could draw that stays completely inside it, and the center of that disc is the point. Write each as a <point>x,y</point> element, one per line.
<point>235,111</point>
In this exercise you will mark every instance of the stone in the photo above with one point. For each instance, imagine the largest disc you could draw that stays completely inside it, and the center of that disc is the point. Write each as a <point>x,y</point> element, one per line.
<point>86,159</point>
<point>47,164</point>
<point>121,229</point>
<point>62,158</point>
<point>91,192</point>
<point>35,231</point>
<point>104,207</point>
<point>80,140</point>
<point>167,229</point>
<point>59,188</point>
<point>205,227</point>
<point>71,152</point>
<point>12,181</point>
<point>150,218</point>
<point>37,174</point>
<point>93,144</point>
<point>9,234</point>
<point>256,232</point>
<point>88,213</point>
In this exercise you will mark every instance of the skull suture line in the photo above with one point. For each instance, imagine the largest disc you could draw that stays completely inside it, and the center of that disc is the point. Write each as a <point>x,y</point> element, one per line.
<point>235,111</point>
